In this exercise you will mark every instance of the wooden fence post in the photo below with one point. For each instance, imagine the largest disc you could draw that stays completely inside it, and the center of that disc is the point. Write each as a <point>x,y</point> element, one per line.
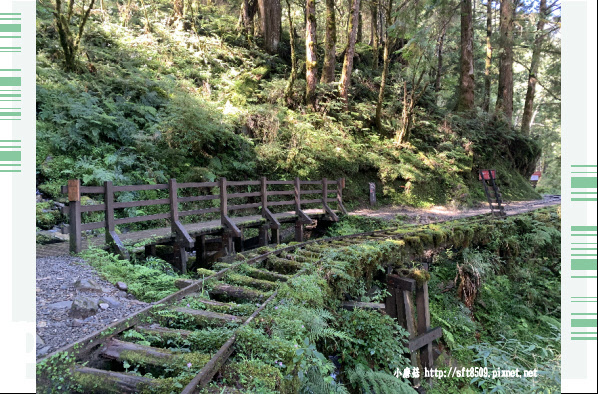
<point>180,254</point>
<point>74,196</point>
<point>111,236</point>
<point>298,222</point>
<point>340,185</point>
<point>223,201</point>
<point>423,323</point>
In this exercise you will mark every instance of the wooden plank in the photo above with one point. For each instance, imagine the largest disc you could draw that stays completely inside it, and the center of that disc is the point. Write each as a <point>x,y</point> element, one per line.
<point>163,331</point>
<point>140,203</point>
<point>136,219</point>
<point>409,313</point>
<point>197,184</point>
<point>209,315</point>
<point>244,206</point>
<point>199,211</point>
<point>223,199</point>
<point>228,223</point>
<point>109,215</point>
<point>281,192</point>
<point>424,339</point>
<point>274,224</point>
<point>350,305</point>
<point>400,282</point>
<point>244,195</point>
<point>280,182</point>
<point>311,192</point>
<point>135,188</point>
<point>74,194</point>
<point>92,225</point>
<point>182,234</point>
<point>278,203</point>
<point>115,349</point>
<point>316,201</point>
<point>243,183</point>
<point>303,218</point>
<point>113,239</point>
<point>297,193</point>
<point>92,189</point>
<point>93,208</point>
<point>91,379</point>
<point>311,182</point>
<point>199,198</point>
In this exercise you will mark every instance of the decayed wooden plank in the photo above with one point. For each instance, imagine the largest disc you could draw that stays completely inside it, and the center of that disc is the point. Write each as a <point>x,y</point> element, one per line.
<point>350,305</point>
<point>92,379</point>
<point>423,339</point>
<point>163,331</point>
<point>236,292</point>
<point>400,282</point>
<point>115,349</point>
<point>209,314</point>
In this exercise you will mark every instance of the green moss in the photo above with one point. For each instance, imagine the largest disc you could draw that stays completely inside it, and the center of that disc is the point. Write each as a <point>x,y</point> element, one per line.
<point>205,272</point>
<point>254,375</point>
<point>414,243</point>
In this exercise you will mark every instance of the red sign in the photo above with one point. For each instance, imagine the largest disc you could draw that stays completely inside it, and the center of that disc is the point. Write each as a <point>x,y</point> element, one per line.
<point>486,174</point>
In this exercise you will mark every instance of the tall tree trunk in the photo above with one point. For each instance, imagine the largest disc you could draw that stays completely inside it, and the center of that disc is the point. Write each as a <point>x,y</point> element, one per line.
<point>248,10</point>
<point>504,101</point>
<point>439,64</point>
<point>487,81</point>
<point>345,80</point>
<point>311,63</point>
<point>466,81</point>
<point>289,90</point>
<point>330,47</point>
<point>384,69</point>
<point>270,14</point>
<point>526,121</point>
<point>360,29</point>
<point>375,30</point>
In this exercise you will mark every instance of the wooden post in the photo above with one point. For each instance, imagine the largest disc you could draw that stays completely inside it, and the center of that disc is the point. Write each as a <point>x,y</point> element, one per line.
<point>74,195</point>
<point>340,185</point>
<point>180,254</point>
<point>324,190</point>
<point>423,323</point>
<point>409,319</point>
<point>111,236</point>
<point>223,201</point>
<point>150,250</point>
<point>298,231</point>
<point>298,222</point>
<point>200,251</point>
<point>263,235</point>
<point>264,192</point>
<point>275,236</point>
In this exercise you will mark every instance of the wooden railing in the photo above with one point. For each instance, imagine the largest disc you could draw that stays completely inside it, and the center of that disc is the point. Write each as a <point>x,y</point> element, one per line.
<point>75,209</point>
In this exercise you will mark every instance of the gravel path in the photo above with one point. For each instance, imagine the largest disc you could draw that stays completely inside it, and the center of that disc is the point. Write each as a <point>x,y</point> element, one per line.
<point>55,290</point>
<point>438,213</point>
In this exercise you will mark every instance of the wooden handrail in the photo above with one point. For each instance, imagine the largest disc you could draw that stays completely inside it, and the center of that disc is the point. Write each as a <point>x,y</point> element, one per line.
<point>74,189</point>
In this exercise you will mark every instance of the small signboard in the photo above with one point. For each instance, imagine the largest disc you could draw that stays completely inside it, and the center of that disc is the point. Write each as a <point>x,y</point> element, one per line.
<point>486,174</point>
<point>372,193</point>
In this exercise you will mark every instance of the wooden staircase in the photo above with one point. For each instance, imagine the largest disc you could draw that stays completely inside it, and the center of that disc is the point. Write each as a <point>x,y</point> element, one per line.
<point>488,178</point>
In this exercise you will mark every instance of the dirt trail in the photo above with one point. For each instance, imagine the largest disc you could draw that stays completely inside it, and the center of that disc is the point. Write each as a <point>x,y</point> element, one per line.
<point>438,213</point>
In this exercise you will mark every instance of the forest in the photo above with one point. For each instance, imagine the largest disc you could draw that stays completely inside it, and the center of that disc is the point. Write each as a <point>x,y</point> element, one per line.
<point>415,96</point>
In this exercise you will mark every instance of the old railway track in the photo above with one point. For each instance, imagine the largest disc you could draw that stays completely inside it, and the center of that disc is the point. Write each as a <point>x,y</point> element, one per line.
<point>236,295</point>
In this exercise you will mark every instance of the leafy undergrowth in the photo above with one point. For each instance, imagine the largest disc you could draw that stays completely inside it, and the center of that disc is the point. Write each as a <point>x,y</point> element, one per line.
<point>499,306</point>
<point>198,105</point>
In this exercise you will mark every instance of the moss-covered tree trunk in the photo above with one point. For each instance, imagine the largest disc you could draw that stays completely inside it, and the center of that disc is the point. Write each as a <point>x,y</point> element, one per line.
<point>289,89</point>
<point>528,108</point>
<point>375,32</point>
<point>466,81</point>
<point>504,101</point>
<point>248,10</point>
<point>270,15</point>
<point>311,64</point>
<point>69,41</point>
<point>386,60</point>
<point>330,47</point>
<point>487,80</point>
<point>345,81</point>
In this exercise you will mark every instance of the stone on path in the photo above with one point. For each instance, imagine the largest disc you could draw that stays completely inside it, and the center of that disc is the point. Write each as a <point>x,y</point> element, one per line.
<point>83,307</point>
<point>122,286</point>
<point>88,285</point>
<point>60,305</point>
<point>104,306</point>
<point>111,301</point>
<point>39,341</point>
